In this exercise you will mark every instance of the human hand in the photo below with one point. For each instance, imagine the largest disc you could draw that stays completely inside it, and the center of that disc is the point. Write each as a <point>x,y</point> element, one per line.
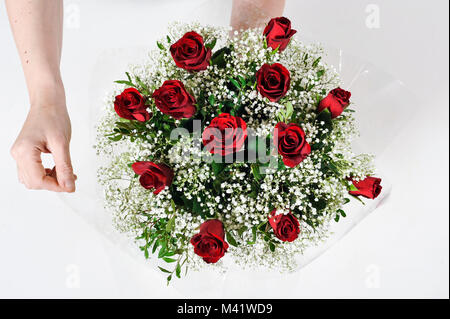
<point>47,129</point>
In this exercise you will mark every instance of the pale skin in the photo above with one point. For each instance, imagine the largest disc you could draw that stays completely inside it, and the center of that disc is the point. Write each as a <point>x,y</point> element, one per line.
<point>37,29</point>
<point>247,14</point>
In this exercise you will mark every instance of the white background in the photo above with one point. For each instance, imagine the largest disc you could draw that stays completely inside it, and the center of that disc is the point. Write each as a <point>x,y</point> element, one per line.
<point>46,250</point>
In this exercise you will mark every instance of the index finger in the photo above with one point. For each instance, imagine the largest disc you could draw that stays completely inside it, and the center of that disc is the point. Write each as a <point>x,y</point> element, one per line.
<point>34,175</point>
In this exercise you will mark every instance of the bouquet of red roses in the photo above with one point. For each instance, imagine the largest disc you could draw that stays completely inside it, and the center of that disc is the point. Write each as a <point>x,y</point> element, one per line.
<point>240,153</point>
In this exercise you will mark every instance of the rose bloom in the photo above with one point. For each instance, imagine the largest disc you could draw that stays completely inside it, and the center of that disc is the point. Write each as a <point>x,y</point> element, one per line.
<point>336,101</point>
<point>370,187</point>
<point>190,53</point>
<point>173,99</point>
<point>225,135</point>
<point>278,33</point>
<point>210,242</point>
<point>291,143</point>
<point>130,105</point>
<point>273,81</point>
<point>285,227</point>
<point>153,176</point>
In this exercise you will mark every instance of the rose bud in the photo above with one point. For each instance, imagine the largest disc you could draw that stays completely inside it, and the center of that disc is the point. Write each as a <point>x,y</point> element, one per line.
<point>273,81</point>
<point>291,143</point>
<point>190,53</point>
<point>369,187</point>
<point>285,227</point>
<point>153,176</point>
<point>130,105</point>
<point>210,242</point>
<point>336,101</point>
<point>225,135</point>
<point>173,99</point>
<point>278,33</point>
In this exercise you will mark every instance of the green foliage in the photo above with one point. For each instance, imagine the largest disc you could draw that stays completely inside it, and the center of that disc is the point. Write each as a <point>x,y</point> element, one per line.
<point>325,129</point>
<point>339,213</point>
<point>218,168</point>
<point>126,128</point>
<point>285,115</point>
<point>158,233</point>
<point>316,62</point>
<point>211,44</point>
<point>160,46</point>
<point>219,57</point>
<point>256,173</point>
<point>230,239</point>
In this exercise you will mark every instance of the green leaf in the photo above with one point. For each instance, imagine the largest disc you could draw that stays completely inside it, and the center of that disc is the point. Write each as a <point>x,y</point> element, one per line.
<point>169,260</point>
<point>325,116</point>
<point>129,83</point>
<point>343,214</point>
<point>242,80</point>
<point>211,44</point>
<point>155,246</point>
<point>128,76</point>
<point>164,270</point>
<point>320,73</point>
<point>352,188</point>
<point>336,219</point>
<point>160,46</point>
<point>218,58</point>
<point>169,254</point>
<point>162,250</point>
<point>316,62</point>
<point>272,246</point>
<point>289,110</point>
<point>170,224</point>
<point>254,229</point>
<point>142,84</point>
<point>231,240</point>
<point>320,204</point>
<point>168,39</point>
<point>333,168</point>
<point>116,138</point>
<point>212,100</point>
<point>178,270</point>
<point>242,230</point>
<point>218,167</point>
<point>235,83</point>
<point>275,51</point>
<point>256,172</point>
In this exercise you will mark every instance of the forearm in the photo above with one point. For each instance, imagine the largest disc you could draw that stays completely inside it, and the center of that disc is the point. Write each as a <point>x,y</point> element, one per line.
<point>37,30</point>
<point>255,13</point>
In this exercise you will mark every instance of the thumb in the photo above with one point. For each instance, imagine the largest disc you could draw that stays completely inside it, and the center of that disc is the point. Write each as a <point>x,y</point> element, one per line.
<point>63,165</point>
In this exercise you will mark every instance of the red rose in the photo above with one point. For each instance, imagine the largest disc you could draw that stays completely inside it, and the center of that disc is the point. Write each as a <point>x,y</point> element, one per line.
<point>156,176</point>
<point>190,53</point>
<point>273,81</point>
<point>210,242</point>
<point>278,33</point>
<point>173,99</point>
<point>285,227</point>
<point>369,187</point>
<point>291,143</point>
<point>130,105</point>
<point>225,135</point>
<point>336,101</point>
